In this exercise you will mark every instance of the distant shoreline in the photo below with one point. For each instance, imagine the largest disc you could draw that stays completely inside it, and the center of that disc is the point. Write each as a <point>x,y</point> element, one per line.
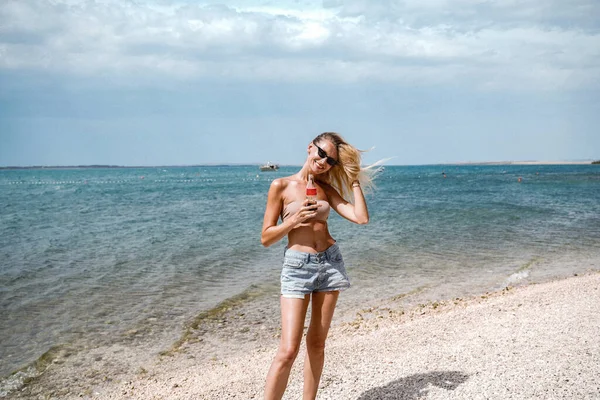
<point>526,163</point>
<point>123,166</point>
<point>589,162</point>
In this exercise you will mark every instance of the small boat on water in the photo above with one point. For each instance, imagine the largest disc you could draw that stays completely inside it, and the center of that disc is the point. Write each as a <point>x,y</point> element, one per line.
<point>269,167</point>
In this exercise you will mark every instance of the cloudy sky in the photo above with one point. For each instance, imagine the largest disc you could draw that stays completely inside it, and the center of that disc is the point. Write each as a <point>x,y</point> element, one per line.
<point>141,82</point>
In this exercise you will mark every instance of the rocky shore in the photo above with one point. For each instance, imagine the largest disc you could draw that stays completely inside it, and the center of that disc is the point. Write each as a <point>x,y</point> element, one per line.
<point>536,341</point>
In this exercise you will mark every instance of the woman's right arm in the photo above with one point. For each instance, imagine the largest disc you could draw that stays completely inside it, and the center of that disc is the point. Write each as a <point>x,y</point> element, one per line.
<point>271,232</point>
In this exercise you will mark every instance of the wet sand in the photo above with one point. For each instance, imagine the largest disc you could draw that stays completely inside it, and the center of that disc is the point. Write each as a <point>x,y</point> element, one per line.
<point>535,341</point>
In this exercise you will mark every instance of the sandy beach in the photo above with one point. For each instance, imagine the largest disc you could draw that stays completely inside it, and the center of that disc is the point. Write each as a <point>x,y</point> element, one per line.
<point>538,341</point>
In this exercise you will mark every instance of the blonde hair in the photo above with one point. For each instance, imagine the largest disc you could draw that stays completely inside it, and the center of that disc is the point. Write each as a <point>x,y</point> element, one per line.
<point>348,169</point>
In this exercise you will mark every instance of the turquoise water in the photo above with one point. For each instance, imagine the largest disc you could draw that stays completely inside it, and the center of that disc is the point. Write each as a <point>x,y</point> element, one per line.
<point>87,254</point>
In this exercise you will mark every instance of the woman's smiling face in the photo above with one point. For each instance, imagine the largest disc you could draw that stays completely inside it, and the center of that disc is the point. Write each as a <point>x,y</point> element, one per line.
<point>318,163</point>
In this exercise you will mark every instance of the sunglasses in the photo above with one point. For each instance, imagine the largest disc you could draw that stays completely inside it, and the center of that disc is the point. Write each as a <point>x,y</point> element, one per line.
<point>331,161</point>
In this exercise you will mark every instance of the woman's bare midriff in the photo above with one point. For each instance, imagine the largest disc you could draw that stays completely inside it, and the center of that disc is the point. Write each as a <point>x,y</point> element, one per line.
<point>310,237</point>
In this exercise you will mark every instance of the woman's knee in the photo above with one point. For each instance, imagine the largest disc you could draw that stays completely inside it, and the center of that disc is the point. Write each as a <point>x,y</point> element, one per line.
<point>288,353</point>
<point>315,342</point>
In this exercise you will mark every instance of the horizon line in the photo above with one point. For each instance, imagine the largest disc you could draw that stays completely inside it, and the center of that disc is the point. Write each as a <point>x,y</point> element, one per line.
<point>225,164</point>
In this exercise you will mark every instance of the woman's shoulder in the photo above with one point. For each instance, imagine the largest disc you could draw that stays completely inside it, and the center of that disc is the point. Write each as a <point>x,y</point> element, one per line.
<point>282,183</point>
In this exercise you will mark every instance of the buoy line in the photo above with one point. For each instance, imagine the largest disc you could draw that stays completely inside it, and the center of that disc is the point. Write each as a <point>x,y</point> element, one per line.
<point>137,180</point>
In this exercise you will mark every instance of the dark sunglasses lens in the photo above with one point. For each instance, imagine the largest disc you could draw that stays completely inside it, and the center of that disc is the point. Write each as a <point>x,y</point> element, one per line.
<point>322,154</point>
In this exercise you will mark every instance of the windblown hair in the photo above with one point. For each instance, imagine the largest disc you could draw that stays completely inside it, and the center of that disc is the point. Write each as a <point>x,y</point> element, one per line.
<point>349,168</point>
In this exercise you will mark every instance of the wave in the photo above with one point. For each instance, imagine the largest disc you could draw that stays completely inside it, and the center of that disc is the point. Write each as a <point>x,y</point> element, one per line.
<point>26,375</point>
<point>191,331</point>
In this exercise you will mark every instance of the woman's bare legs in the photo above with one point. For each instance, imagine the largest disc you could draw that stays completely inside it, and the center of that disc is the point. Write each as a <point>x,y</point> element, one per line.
<point>293,313</point>
<point>323,306</point>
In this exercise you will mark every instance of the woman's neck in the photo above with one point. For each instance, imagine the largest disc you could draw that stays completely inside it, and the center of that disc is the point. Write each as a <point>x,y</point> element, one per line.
<point>302,175</point>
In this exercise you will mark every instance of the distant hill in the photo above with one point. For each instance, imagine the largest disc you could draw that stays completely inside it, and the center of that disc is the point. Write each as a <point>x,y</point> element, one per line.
<point>65,167</point>
<point>102,166</point>
<point>527,163</point>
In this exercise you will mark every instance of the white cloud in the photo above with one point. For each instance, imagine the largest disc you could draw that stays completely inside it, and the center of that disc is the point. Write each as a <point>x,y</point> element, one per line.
<point>489,44</point>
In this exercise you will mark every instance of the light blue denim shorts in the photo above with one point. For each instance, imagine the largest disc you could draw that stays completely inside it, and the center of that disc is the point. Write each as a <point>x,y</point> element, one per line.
<point>304,273</point>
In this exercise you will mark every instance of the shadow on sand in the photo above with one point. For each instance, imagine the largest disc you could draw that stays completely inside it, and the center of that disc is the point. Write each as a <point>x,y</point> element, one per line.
<point>415,386</point>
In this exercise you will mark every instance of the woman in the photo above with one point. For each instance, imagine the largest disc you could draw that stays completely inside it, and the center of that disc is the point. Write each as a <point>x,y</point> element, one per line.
<point>313,266</point>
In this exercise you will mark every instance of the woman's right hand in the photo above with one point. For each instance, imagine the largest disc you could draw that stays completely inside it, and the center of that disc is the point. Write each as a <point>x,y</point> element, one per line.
<point>306,212</point>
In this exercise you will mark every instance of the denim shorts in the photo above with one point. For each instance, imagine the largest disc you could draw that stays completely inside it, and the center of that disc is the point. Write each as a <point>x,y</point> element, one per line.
<point>304,273</point>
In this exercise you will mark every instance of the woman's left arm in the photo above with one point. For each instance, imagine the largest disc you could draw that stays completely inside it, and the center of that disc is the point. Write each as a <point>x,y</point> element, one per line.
<point>357,212</point>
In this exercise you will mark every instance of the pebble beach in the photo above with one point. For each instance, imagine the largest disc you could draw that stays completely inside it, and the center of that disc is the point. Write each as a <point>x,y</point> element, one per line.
<point>537,341</point>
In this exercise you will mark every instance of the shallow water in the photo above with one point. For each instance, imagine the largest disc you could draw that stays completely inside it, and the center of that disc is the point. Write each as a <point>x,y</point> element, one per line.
<point>87,255</point>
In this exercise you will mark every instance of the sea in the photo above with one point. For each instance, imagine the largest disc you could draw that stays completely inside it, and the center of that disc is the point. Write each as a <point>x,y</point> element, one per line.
<point>87,254</point>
